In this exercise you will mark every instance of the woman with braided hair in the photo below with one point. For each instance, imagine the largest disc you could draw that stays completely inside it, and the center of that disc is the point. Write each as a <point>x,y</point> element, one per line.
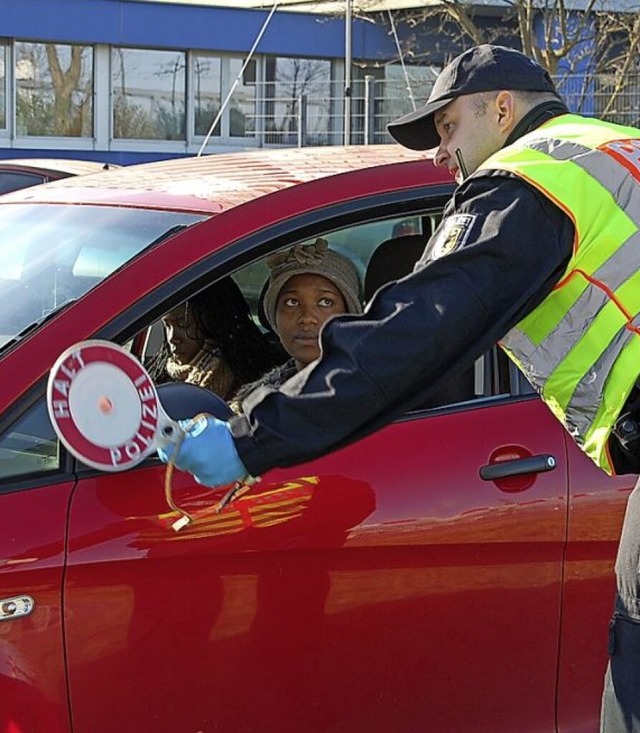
<point>212,341</point>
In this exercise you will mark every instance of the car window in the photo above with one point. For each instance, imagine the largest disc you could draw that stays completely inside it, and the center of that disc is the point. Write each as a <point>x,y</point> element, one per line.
<point>29,446</point>
<point>363,240</point>
<point>53,254</point>
<point>358,243</point>
<point>12,181</point>
<point>382,251</point>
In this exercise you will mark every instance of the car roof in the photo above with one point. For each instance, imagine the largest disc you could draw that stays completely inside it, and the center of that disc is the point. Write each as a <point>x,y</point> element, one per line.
<point>214,183</point>
<point>54,166</point>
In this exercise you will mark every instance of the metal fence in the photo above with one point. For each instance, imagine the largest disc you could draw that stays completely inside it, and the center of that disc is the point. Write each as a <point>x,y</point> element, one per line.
<point>315,115</point>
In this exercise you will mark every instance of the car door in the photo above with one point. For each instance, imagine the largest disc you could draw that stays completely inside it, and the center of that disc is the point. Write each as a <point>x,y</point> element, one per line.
<point>384,586</point>
<point>596,509</point>
<point>35,490</point>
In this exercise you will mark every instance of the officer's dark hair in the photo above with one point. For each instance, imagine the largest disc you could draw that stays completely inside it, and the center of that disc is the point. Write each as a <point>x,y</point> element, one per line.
<point>535,98</point>
<point>529,98</point>
<point>222,316</point>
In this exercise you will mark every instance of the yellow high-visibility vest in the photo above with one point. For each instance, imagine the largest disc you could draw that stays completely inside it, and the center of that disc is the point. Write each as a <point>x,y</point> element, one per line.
<point>580,348</point>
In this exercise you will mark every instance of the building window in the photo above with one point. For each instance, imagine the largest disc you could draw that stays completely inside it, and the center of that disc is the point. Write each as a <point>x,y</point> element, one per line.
<point>381,94</point>
<point>54,89</point>
<point>298,93</point>
<point>213,78</point>
<point>242,107</point>
<point>406,88</point>
<point>207,93</point>
<point>148,94</point>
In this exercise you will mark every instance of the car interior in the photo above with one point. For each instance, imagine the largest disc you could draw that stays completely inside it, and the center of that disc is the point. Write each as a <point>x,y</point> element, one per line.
<point>382,251</point>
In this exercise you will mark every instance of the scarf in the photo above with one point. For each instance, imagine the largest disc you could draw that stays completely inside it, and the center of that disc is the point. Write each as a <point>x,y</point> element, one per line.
<point>207,369</point>
<point>274,378</point>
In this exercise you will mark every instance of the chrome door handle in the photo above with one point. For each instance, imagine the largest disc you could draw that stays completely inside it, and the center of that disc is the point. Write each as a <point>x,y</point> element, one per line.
<point>16,607</point>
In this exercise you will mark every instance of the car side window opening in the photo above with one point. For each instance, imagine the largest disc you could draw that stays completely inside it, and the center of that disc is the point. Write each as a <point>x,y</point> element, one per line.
<point>13,180</point>
<point>381,251</point>
<point>29,446</point>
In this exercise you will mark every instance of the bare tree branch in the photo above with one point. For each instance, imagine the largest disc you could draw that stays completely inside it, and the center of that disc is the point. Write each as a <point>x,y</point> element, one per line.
<point>596,46</point>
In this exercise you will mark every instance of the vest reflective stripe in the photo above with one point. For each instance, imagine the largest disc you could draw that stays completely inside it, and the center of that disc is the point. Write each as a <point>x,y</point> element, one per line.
<point>591,300</point>
<point>580,348</point>
<point>623,361</point>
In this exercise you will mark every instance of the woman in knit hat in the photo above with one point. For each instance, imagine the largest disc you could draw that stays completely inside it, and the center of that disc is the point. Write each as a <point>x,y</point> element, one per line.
<point>308,284</point>
<point>212,341</point>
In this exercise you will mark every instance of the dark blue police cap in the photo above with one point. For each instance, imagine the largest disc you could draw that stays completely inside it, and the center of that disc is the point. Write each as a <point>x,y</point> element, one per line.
<point>482,68</point>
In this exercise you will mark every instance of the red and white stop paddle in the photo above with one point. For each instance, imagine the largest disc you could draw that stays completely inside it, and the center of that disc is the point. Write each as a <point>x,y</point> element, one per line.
<point>106,411</point>
<point>105,408</point>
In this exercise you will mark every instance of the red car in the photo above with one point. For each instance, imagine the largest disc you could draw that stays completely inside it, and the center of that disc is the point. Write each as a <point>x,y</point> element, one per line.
<point>451,573</point>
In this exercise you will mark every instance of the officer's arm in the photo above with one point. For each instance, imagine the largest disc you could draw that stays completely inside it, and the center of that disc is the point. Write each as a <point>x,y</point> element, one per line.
<point>417,332</point>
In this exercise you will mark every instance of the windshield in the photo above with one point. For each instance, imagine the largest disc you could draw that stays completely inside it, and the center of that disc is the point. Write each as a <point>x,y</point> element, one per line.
<point>53,254</point>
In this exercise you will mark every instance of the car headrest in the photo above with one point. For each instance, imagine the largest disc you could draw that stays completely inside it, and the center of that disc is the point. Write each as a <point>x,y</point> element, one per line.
<point>392,259</point>
<point>182,401</point>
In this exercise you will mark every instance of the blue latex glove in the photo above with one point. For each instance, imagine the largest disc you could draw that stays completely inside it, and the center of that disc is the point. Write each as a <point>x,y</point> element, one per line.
<point>207,451</point>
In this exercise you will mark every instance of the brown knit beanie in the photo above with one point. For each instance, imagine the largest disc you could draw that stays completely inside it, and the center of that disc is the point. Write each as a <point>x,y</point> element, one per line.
<point>311,259</point>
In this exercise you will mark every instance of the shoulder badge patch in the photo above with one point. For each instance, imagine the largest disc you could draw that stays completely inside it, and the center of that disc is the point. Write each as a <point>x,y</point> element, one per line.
<point>452,233</point>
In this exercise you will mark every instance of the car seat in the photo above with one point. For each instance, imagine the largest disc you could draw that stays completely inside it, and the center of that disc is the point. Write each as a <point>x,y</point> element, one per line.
<point>392,259</point>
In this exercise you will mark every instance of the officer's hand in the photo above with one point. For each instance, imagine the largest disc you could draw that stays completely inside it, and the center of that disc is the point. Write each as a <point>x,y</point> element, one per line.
<point>207,451</point>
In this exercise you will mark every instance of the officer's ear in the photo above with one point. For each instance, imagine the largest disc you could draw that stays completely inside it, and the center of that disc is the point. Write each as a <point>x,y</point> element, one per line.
<point>506,111</point>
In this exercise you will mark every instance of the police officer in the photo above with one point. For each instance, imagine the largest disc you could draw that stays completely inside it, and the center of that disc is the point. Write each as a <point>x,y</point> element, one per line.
<point>539,249</point>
